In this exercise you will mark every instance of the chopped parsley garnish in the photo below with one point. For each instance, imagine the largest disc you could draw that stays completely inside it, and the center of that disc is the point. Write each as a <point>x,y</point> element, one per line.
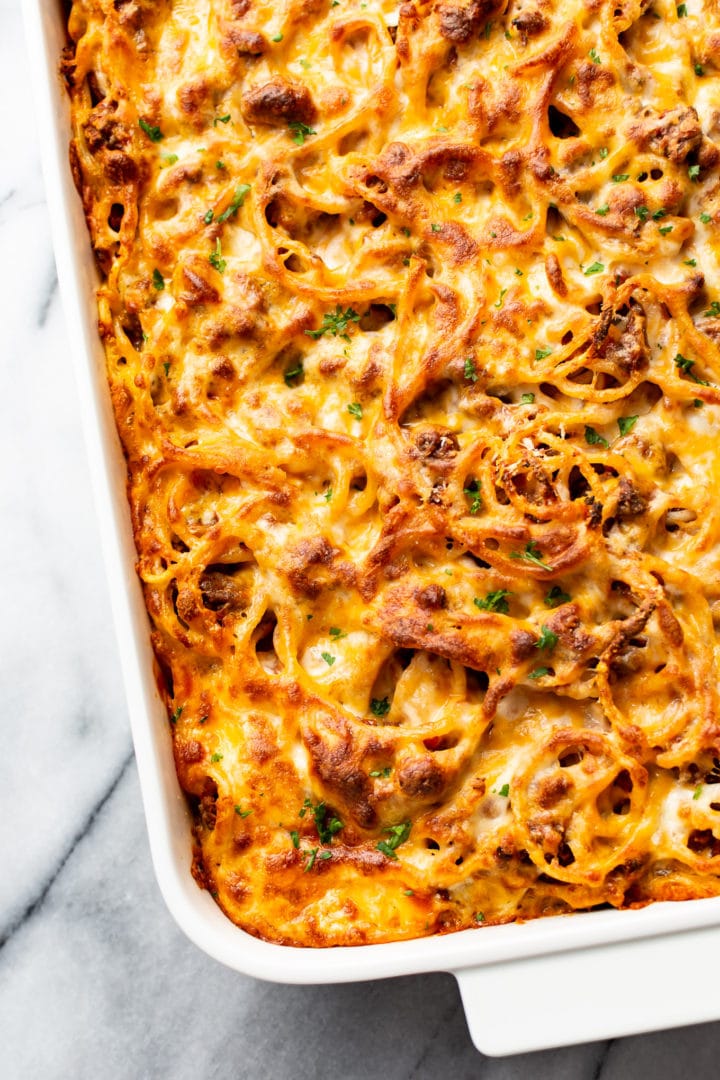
<point>221,120</point>
<point>242,813</point>
<point>594,268</point>
<point>620,178</point>
<point>166,367</point>
<point>697,792</point>
<point>293,373</point>
<point>594,56</point>
<point>705,218</point>
<point>469,370</point>
<point>642,212</point>
<point>336,633</point>
<point>220,165</point>
<point>603,210</point>
<point>457,197</point>
<point>335,323</point>
<point>504,791</point>
<point>527,399</point>
<point>216,258</point>
<point>682,11</point>
<point>687,366</point>
<point>329,660</point>
<point>661,213</point>
<point>518,271</point>
<point>382,772</point>
<point>158,280</point>
<point>176,715</point>
<point>472,492</point>
<point>237,200</point>
<point>547,640</point>
<point>539,672</point>
<point>217,756</point>
<point>555,597</point>
<point>355,409</point>
<point>277,37</point>
<point>498,302</point>
<point>436,228</point>
<point>153,133</point>
<point>170,159</point>
<point>689,262</point>
<point>699,70</point>
<point>300,131</point>
<point>408,892</point>
<point>494,601</point>
<point>694,172</point>
<point>665,229</point>
<point>714,310</point>
<point>479,917</point>
<point>542,354</point>
<point>398,835</point>
<point>380,706</point>
<point>626,424</point>
<point>326,827</point>
<point>603,152</point>
<point>312,853</point>
<point>531,554</point>
<point>208,217</point>
<point>593,438</point>
<point>328,495</point>
<point>295,837</point>
<point>325,855</point>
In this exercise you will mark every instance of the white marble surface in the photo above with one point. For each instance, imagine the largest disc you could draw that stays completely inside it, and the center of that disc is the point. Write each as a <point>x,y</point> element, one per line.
<point>95,979</point>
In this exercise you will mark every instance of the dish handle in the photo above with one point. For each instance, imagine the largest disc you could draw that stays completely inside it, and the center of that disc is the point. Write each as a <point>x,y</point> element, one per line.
<point>593,993</point>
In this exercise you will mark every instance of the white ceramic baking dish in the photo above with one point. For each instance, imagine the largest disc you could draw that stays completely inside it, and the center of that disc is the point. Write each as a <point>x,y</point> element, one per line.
<point>547,983</point>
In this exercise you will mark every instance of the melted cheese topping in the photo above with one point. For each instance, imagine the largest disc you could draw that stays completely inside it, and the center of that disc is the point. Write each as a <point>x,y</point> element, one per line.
<point>412,321</point>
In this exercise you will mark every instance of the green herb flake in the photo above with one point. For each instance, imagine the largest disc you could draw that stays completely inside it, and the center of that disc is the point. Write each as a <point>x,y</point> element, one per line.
<point>665,229</point>
<point>698,791</point>
<point>469,369</point>
<point>325,855</point>
<point>408,892</point>
<point>642,212</point>
<point>686,366</point>
<point>220,165</point>
<point>594,56</point>
<point>158,280</point>
<point>166,366</point>
<point>295,837</point>
<point>327,827</point>
<point>498,302</point>
<point>531,554</point>
<point>328,495</point>
<point>216,260</point>
<point>689,262</point>
<point>504,791</point>
<point>705,218</point>
<point>312,854</point>
<point>714,310</point>
<point>355,409</point>
<point>542,354</point>
<point>594,268</point>
<point>527,399</point>
<point>620,178</point>
<point>539,673</point>
<point>221,120</point>
<point>436,228</point>
<point>277,37</point>
<point>699,70</point>
<point>380,706</point>
<point>682,11</point>
<point>242,813</point>
<point>170,159</point>
<point>293,373</point>
<point>237,201</point>
<point>626,424</point>
<point>593,438</point>
<point>336,633</point>
<point>555,597</point>
<point>300,131</point>
<point>177,714</point>
<point>207,218</point>
<point>547,640</point>
<point>479,917</point>
<point>694,172</point>
<point>398,835</point>
<point>603,152</point>
<point>217,756</point>
<point>381,772</point>
<point>457,197</point>
<point>472,493</point>
<point>335,323</point>
<point>154,134</point>
<point>494,601</point>
<point>329,660</point>
<point>603,210</point>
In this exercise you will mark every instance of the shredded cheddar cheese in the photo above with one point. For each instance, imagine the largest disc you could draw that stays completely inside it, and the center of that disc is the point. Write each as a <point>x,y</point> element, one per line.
<point>412,318</point>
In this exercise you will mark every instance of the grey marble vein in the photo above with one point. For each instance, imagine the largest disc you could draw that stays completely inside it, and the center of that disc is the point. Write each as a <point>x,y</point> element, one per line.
<point>96,981</point>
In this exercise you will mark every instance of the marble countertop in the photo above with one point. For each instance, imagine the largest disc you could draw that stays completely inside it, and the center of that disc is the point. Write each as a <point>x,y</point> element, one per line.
<point>95,978</point>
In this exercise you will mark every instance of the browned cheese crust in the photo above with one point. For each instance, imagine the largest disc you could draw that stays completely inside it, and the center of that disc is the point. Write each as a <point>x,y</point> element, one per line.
<point>412,319</point>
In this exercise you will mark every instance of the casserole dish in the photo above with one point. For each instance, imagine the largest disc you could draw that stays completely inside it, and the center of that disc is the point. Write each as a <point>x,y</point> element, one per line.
<point>541,958</point>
